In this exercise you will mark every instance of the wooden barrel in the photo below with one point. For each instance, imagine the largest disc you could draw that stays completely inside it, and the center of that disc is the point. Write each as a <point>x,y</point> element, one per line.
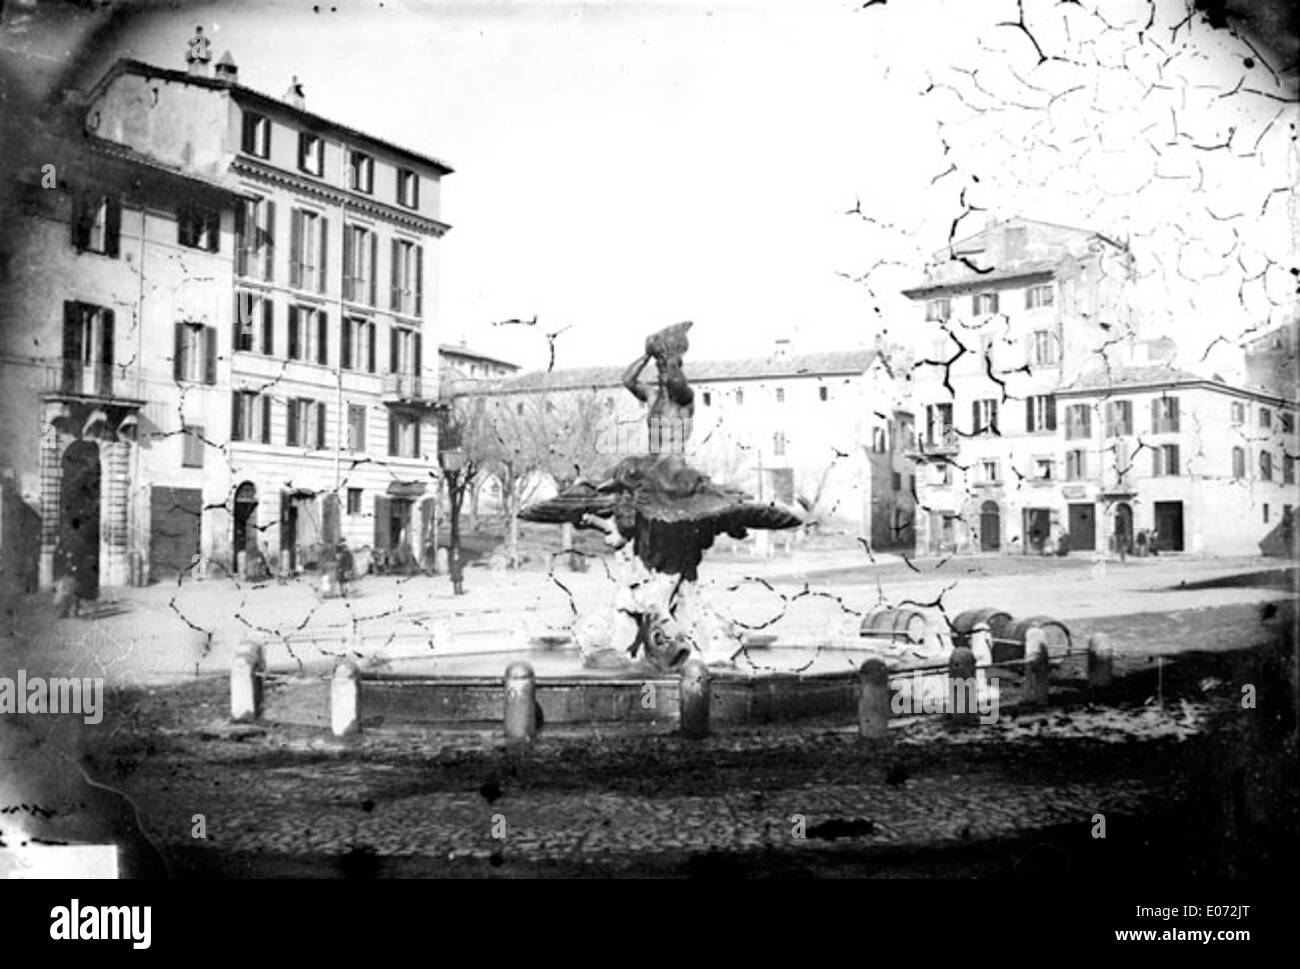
<point>1010,643</point>
<point>890,623</point>
<point>996,619</point>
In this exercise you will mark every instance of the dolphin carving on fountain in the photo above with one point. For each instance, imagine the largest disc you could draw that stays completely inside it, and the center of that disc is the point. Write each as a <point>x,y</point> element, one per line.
<point>671,514</point>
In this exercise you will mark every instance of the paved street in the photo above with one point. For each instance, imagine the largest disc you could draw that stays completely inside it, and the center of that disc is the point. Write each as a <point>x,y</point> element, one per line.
<point>173,632</point>
<point>1017,796</point>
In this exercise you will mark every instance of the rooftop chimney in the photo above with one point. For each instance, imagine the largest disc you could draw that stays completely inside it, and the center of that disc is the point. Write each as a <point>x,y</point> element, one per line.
<point>295,96</point>
<point>227,69</point>
<point>197,54</point>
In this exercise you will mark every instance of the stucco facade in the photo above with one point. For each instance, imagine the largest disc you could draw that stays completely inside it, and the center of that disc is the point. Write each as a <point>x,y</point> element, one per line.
<point>823,429</point>
<point>1027,434</point>
<point>227,297</point>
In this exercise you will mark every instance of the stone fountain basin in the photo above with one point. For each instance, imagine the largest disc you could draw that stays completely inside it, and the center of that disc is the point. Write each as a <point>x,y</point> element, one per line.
<point>767,683</point>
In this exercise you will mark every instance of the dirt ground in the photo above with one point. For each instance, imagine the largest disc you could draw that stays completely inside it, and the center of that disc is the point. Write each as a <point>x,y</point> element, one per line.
<point>1189,781</point>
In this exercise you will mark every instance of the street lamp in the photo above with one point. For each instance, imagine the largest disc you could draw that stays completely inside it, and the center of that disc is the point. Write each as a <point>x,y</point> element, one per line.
<point>453,463</point>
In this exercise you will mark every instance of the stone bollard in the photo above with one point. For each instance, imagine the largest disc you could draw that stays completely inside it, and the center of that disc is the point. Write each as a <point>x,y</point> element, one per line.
<point>981,647</point>
<point>694,700</point>
<point>873,700</point>
<point>246,674</point>
<point>521,702</point>
<point>963,703</point>
<point>345,700</point>
<point>1038,668</point>
<point>1101,661</point>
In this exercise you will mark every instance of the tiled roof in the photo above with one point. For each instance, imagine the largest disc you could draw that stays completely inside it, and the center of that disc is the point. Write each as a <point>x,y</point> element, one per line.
<point>955,276</point>
<point>700,371</point>
<point>129,154</point>
<point>128,64</point>
<point>1105,378</point>
<point>1154,375</point>
<point>451,350</point>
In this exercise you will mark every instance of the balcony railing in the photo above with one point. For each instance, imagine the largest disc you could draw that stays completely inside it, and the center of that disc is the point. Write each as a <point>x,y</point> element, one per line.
<point>947,442</point>
<point>403,386</point>
<point>73,379</point>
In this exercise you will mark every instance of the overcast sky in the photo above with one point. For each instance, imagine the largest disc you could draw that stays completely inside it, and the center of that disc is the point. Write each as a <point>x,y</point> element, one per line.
<point>624,166</point>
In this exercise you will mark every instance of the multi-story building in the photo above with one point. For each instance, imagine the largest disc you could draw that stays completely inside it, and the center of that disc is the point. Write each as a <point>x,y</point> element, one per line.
<point>232,320</point>
<point>1010,314</point>
<point>113,382</point>
<point>1048,414</point>
<point>1198,464</point>
<point>1273,359</point>
<point>461,363</point>
<point>824,429</point>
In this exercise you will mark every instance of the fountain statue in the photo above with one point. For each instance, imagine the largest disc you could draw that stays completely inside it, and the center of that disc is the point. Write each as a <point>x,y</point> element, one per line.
<point>669,514</point>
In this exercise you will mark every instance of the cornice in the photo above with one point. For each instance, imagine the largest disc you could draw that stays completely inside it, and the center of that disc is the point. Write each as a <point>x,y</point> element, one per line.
<point>336,196</point>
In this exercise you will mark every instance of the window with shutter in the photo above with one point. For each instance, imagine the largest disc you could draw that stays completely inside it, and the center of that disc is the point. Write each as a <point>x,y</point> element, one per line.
<point>268,242</point>
<point>256,138</point>
<point>243,328</point>
<point>345,342</point>
<point>356,427</point>
<point>295,248</point>
<point>291,423</point>
<point>320,427</point>
<point>322,338</point>
<point>266,420</point>
<point>419,281</point>
<point>236,416</point>
<point>295,348</point>
<point>349,258</point>
<point>324,255</point>
<point>209,355</point>
<point>245,225</point>
<point>178,353</point>
<point>395,289</point>
<point>374,270</point>
<point>113,229</point>
<point>268,327</point>
<point>392,435</point>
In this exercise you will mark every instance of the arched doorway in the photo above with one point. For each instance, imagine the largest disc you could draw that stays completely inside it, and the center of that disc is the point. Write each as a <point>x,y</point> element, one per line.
<point>990,527</point>
<point>78,552</point>
<point>245,537</point>
<point>1123,527</point>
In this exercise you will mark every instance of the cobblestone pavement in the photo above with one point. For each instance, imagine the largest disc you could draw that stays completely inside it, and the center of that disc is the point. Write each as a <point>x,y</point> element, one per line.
<point>464,803</point>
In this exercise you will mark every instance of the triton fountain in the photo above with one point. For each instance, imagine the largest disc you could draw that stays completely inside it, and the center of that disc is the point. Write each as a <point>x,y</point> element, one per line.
<point>669,513</point>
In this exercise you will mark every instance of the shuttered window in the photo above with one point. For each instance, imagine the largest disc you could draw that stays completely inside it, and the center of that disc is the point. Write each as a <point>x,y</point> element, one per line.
<point>1164,415</point>
<point>194,354</point>
<point>96,223</point>
<point>199,228</point>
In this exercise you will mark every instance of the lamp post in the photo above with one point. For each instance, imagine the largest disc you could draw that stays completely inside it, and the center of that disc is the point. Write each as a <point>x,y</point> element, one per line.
<point>452,461</point>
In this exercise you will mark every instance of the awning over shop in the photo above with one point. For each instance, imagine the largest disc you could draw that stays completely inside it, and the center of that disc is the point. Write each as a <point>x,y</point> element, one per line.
<point>406,489</point>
